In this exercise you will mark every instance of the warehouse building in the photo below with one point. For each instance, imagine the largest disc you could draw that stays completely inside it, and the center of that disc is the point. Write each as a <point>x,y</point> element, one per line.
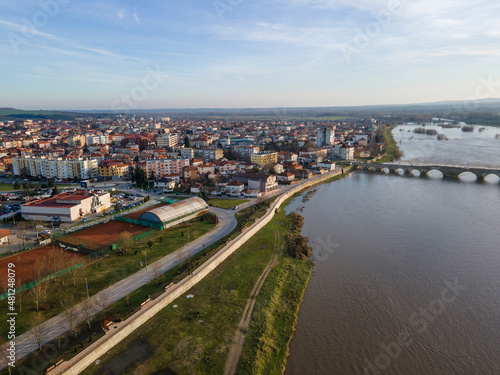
<point>67,206</point>
<point>175,213</point>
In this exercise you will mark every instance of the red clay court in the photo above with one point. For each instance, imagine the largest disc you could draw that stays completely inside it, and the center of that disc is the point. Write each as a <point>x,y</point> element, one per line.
<point>104,234</point>
<point>25,261</point>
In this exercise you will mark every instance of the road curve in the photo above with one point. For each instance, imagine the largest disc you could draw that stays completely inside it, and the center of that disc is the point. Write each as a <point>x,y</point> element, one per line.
<point>56,326</point>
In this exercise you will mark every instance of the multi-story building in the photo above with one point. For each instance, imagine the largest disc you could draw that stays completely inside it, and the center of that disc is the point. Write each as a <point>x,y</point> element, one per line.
<point>97,140</point>
<point>167,140</point>
<point>325,136</point>
<point>209,154</point>
<point>58,168</point>
<point>245,152</point>
<point>263,158</point>
<point>162,167</point>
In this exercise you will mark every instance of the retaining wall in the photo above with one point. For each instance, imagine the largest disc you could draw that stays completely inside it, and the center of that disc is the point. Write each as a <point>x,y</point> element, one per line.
<point>88,356</point>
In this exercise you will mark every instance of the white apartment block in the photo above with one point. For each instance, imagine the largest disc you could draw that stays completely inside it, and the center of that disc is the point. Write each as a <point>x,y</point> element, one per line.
<point>325,136</point>
<point>97,140</point>
<point>167,140</point>
<point>57,168</point>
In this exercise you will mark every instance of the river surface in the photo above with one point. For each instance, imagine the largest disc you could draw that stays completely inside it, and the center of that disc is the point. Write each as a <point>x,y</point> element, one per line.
<point>407,276</point>
<point>479,148</point>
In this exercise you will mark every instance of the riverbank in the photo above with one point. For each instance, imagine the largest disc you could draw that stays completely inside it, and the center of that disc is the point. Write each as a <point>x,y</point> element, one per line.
<point>205,323</point>
<point>391,147</point>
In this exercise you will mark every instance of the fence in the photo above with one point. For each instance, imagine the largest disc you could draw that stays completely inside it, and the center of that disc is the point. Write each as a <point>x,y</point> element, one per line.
<point>157,226</point>
<point>143,235</point>
<point>43,279</point>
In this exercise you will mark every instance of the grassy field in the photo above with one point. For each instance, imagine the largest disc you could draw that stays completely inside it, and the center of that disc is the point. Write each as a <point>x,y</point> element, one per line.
<point>226,203</point>
<point>6,187</point>
<point>197,333</point>
<point>106,272</point>
<point>390,146</point>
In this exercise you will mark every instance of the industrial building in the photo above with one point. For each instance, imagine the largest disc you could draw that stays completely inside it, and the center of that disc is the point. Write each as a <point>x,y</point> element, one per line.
<point>68,206</point>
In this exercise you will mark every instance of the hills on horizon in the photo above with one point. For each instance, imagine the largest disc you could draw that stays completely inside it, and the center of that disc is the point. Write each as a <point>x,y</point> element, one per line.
<point>485,111</point>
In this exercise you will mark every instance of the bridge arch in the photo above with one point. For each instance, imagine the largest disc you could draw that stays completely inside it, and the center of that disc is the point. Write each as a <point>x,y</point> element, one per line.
<point>491,177</point>
<point>435,173</point>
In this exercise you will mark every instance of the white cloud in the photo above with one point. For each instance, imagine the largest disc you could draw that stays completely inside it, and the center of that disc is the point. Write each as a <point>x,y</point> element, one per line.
<point>121,13</point>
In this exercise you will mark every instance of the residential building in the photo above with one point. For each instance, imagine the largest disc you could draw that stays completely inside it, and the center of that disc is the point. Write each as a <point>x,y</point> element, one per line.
<point>162,167</point>
<point>167,140</point>
<point>209,154</point>
<point>262,182</point>
<point>164,184</point>
<point>59,168</point>
<point>263,158</point>
<point>325,136</point>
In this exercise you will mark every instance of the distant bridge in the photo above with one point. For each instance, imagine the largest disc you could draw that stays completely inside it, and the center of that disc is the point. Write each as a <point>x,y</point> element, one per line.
<point>423,170</point>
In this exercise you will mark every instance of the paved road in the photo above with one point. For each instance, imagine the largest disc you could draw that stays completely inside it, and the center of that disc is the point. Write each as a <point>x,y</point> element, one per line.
<point>26,344</point>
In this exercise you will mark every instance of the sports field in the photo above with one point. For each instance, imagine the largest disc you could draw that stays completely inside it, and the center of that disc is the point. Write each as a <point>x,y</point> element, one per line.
<point>44,260</point>
<point>103,234</point>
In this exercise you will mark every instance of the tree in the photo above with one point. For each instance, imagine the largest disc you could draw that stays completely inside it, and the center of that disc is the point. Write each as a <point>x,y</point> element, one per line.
<point>16,185</point>
<point>37,330</point>
<point>70,313</point>
<point>87,309</point>
<point>256,169</point>
<point>150,244</point>
<point>156,271</point>
<point>125,241</point>
<point>55,191</point>
<point>272,171</point>
<point>22,228</point>
<point>139,176</point>
<point>186,141</point>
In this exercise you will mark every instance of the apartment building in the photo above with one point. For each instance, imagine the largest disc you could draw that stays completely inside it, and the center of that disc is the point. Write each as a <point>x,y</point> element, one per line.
<point>167,140</point>
<point>58,168</point>
<point>162,167</point>
<point>263,158</point>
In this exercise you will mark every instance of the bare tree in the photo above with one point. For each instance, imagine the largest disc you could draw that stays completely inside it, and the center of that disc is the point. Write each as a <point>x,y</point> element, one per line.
<point>20,293</point>
<point>22,229</point>
<point>75,273</point>
<point>156,271</point>
<point>87,309</point>
<point>125,241</point>
<point>37,330</point>
<point>70,313</point>
<point>38,293</point>
<point>102,301</point>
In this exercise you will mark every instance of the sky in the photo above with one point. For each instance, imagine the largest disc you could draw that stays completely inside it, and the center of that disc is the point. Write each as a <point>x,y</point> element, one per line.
<point>72,54</point>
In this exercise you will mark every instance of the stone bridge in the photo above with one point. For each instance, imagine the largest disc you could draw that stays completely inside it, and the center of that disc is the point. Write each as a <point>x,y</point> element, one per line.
<point>447,171</point>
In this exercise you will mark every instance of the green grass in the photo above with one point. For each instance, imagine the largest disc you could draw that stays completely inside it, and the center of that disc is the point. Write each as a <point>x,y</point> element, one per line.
<point>274,319</point>
<point>196,336</point>
<point>6,187</point>
<point>226,203</point>
<point>390,146</point>
<point>106,272</point>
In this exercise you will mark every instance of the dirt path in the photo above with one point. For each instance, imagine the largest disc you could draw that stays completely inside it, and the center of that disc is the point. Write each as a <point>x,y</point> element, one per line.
<point>239,337</point>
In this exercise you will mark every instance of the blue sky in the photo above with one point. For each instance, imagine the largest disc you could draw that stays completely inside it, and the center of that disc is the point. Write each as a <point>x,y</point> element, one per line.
<point>71,54</point>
